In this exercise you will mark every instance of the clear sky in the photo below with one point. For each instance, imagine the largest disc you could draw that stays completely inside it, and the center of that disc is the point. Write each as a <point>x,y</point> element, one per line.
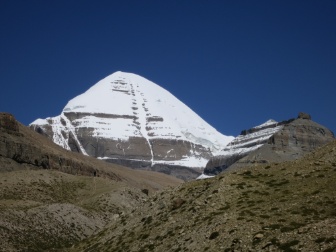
<point>235,63</point>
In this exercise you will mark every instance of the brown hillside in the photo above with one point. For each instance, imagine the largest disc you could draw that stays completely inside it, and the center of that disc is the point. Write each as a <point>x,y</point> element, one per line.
<point>276,207</point>
<point>51,198</point>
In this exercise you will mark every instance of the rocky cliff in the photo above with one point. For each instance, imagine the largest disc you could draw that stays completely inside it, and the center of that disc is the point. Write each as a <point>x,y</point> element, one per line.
<point>271,142</point>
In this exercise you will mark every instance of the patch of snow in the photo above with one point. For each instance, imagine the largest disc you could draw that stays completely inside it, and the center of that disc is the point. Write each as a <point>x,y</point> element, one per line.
<point>40,121</point>
<point>251,141</point>
<point>58,128</point>
<point>191,161</point>
<point>267,123</point>
<point>72,129</point>
<point>204,176</point>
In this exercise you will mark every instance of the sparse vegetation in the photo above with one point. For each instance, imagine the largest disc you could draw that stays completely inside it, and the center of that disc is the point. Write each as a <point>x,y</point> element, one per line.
<point>288,207</point>
<point>272,207</point>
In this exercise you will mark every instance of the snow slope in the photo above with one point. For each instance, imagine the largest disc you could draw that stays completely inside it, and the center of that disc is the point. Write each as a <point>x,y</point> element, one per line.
<point>252,140</point>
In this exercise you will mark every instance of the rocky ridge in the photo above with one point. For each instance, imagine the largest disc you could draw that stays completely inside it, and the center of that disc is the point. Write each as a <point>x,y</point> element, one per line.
<point>271,142</point>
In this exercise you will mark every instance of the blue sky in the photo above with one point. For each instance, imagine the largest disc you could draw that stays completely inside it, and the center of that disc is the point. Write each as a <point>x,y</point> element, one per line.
<point>235,63</point>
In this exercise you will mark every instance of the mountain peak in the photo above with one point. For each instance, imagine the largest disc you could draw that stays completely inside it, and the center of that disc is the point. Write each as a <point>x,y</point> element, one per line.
<point>126,116</point>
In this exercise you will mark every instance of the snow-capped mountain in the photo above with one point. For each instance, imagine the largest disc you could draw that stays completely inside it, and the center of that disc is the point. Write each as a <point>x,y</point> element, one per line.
<point>127,117</point>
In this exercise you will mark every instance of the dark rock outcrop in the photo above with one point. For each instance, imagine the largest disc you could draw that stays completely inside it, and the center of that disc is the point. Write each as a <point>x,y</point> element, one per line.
<point>219,163</point>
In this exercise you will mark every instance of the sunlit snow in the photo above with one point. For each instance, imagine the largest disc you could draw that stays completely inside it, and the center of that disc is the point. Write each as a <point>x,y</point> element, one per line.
<point>137,107</point>
<point>251,141</point>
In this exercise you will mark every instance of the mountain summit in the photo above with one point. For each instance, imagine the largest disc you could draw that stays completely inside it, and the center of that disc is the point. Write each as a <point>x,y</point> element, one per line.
<point>128,119</point>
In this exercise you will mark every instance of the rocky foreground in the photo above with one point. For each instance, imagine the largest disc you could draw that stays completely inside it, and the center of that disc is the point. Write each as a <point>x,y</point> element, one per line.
<point>276,207</point>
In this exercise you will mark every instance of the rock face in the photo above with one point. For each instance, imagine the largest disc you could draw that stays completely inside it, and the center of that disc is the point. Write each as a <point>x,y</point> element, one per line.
<point>128,119</point>
<point>271,142</point>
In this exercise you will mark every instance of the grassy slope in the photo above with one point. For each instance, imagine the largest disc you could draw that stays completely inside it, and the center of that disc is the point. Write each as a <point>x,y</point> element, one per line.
<point>280,207</point>
<point>44,209</point>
